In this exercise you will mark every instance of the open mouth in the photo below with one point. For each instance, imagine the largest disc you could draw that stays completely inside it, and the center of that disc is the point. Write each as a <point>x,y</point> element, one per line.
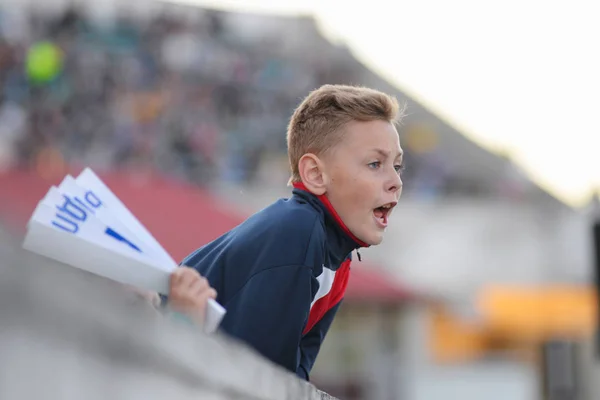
<point>381,213</point>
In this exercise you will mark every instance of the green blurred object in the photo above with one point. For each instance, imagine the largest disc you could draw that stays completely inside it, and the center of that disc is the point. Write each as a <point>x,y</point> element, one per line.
<point>44,62</point>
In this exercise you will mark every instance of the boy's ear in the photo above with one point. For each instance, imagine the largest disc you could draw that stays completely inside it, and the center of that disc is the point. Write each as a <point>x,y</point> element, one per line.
<point>311,172</point>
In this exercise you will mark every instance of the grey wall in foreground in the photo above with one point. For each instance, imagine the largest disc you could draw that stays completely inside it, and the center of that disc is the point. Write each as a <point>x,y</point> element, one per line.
<point>65,334</point>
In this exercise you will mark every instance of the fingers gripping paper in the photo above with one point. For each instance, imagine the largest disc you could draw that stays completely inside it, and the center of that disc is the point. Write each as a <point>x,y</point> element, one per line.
<point>83,224</point>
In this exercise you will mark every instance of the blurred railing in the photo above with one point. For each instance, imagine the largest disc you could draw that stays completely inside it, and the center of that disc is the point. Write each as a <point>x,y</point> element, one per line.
<point>66,334</point>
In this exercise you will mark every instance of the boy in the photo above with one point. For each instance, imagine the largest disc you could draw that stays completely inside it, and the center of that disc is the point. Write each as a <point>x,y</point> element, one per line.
<point>282,273</point>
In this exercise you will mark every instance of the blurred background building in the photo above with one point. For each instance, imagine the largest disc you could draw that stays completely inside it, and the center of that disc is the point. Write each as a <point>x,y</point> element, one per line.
<point>483,280</point>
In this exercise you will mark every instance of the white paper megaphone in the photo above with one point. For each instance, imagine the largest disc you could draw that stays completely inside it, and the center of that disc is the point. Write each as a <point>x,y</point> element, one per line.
<point>83,224</point>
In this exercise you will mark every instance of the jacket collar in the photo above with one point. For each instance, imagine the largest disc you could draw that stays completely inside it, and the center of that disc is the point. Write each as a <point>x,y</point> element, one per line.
<point>340,239</point>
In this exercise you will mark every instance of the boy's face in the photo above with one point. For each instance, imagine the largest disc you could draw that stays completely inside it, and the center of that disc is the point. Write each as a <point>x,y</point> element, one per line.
<point>363,177</point>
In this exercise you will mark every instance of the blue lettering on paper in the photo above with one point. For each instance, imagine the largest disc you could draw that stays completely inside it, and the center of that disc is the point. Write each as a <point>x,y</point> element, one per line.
<point>71,227</point>
<point>92,199</point>
<point>110,232</point>
<point>75,211</point>
<point>82,204</point>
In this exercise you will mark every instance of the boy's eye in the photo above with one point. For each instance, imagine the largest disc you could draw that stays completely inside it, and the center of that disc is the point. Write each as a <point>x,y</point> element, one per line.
<point>375,165</point>
<point>399,168</point>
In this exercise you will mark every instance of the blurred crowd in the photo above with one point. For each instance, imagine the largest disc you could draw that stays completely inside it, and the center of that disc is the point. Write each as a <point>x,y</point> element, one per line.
<point>186,96</point>
<point>198,94</point>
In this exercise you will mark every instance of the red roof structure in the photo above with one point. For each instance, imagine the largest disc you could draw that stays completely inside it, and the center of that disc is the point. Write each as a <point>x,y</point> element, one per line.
<point>181,217</point>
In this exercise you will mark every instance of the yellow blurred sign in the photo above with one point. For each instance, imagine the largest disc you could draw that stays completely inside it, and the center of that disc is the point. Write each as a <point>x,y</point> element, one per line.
<point>454,340</point>
<point>539,313</point>
<point>513,317</point>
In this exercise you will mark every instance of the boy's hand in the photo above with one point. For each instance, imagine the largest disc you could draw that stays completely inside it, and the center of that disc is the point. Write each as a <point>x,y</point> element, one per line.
<point>189,293</point>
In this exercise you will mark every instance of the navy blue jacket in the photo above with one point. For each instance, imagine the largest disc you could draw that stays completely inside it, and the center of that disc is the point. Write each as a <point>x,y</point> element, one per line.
<point>281,276</point>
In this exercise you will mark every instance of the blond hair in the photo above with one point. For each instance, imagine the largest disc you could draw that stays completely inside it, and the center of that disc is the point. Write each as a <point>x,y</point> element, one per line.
<point>316,125</point>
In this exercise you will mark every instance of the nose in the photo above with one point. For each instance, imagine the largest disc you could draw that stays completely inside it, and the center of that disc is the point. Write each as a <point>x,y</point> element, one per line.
<point>394,183</point>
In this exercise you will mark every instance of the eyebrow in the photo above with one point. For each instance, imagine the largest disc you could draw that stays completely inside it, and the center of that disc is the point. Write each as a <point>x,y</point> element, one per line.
<point>386,154</point>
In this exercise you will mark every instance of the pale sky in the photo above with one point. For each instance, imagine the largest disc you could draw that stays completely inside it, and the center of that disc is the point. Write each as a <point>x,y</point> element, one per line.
<point>522,75</point>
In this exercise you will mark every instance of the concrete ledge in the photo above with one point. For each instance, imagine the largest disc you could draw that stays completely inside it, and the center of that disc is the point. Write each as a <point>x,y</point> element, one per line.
<point>67,334</point>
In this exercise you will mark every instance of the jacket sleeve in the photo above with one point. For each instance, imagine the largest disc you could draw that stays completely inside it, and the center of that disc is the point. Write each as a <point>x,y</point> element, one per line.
<point>311,343</point>
<point>270,311</point>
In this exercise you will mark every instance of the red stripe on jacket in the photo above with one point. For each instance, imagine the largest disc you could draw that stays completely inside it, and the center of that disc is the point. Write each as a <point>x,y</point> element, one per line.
<point>335,295</point>
<point>338,289</point>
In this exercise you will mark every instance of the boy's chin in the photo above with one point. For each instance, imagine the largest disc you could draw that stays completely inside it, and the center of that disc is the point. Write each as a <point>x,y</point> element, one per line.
<point>372,238</point>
